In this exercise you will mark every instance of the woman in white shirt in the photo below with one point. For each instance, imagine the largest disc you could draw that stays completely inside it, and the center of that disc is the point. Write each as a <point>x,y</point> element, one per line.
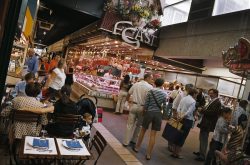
<point>186,111</point>
<point>56,80</point>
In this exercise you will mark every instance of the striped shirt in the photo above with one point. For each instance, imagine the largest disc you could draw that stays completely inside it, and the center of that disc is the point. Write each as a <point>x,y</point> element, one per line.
<point>150,102</point>
<point>236,138</point>
<point>235,143</point>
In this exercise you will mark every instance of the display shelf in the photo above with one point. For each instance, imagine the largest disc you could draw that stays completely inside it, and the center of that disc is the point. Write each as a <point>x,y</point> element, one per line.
<point>100,86</point>
<point>18,55</point>
<point>19,46</point>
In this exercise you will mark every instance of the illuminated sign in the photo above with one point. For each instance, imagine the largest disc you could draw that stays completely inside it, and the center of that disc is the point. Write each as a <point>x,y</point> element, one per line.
<point>133,35</point>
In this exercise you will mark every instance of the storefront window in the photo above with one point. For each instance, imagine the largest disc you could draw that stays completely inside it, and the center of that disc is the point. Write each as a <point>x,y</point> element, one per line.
<point>175,11</point>
<point>228,6</point>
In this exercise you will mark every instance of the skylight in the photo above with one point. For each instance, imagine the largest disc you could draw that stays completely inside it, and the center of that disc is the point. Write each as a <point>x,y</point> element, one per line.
<point>229,6</point>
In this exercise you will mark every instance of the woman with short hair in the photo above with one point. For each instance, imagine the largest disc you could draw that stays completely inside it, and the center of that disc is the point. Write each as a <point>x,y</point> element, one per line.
<point>30,103</point>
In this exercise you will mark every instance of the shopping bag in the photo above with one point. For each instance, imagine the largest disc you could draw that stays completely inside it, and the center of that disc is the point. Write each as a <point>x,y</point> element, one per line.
<point>170,133</point>
<point>174,123</point>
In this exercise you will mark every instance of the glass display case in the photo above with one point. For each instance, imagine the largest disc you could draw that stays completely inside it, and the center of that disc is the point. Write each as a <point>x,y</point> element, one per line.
<point>100,86</point>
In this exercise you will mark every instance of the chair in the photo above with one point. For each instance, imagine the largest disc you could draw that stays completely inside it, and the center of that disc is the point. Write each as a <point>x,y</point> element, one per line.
<point>20,116</point>
<point>64,121</point>
<point>99,143</point>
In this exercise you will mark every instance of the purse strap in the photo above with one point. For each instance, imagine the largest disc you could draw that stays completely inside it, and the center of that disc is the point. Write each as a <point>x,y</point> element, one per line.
<point>158,105</point>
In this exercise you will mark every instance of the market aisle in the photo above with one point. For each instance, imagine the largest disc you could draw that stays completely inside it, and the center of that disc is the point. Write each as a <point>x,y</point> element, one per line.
<point>116,125</point>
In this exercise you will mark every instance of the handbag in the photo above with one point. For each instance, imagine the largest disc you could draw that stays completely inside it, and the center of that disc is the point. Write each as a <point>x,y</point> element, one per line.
<point>174,123</point>
<point>171,134</point>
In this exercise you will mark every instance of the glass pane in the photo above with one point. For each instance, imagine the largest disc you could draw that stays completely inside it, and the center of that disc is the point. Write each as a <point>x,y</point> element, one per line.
<point>171,77</point>
<point>228,6</point>
<point>206,82</point>
<point>225,87</point>
<point>186,79</point>
<point>175,14</point>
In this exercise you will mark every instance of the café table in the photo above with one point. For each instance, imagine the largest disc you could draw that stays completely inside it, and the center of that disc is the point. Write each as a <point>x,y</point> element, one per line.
<point>57,153</point>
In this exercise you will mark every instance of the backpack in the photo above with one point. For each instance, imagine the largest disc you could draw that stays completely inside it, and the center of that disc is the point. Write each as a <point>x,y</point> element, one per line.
<point>86,105</point>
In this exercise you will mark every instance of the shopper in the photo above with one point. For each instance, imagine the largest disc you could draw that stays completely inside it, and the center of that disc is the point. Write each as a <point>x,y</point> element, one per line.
<point>70,77</point>
<point>229,153</point>
<point>241,109</point>
<point>200,100</point>
<point>124,87</point>
<point>172,96</point>
<point>210,115</point>
<point>220,136</point>
<point>46,64</point>
<point>32,62</point>
<point>30,103</point>
<point>154,103</point>
<point>56,80</point>
<point>54,62</point>
<point>176,103</point>
<point>139,92</point>
<point>185,111</point>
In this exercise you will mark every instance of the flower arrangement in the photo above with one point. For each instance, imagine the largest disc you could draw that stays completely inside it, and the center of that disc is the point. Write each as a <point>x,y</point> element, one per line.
<point>142,12</point>
<point>155,24</point>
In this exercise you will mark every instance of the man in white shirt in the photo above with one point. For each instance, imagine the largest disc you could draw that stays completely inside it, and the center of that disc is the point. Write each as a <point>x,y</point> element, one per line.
<point>139,92</point>
<point>108,74</point>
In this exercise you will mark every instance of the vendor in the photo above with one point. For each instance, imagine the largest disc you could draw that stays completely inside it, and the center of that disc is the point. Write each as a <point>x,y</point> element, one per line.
<point>109,74</point>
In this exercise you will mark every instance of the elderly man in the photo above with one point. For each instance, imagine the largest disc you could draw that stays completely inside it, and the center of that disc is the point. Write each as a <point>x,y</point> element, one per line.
<point>32,62</point>
<point>139,92</point>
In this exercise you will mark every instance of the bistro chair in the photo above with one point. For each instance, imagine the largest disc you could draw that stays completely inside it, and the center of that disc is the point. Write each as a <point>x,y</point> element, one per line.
<point>67,120</point>
<point>20,116</point>
<point>99,143</point>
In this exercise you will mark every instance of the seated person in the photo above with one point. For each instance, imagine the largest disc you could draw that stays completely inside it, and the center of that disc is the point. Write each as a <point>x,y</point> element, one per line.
<point>230,152</point>
<point>63,106</point>
<point>30,103</point>
<point>85,126</point>
<point>20,86</point>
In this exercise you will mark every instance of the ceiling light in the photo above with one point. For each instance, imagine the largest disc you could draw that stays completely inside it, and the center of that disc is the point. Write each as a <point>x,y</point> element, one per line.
<point>116,46</point>
<point>92,45</point>
<point>130,49</point>
<point>107,43</point>
<point>116,42</point>
<point>44,33</point>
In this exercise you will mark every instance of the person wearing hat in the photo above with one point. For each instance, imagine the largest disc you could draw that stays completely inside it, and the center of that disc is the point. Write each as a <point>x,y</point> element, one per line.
<point>210,114</point>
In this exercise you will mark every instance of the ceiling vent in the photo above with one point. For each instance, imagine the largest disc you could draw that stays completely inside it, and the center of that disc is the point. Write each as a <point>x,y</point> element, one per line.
<point>45,25</point>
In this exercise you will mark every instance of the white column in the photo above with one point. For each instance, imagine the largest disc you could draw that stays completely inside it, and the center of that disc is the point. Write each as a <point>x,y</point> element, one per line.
<point>246,90</point>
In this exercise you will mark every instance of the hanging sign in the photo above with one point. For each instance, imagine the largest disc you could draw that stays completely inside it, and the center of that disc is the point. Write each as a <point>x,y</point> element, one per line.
<point>237,58</point>
<point>133,35</point>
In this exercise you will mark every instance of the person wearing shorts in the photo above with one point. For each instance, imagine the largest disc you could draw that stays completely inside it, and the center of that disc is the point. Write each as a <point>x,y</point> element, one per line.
<point>155,100</point>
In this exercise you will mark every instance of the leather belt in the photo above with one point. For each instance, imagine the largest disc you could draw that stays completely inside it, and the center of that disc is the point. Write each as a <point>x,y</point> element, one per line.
<point>137,103</point>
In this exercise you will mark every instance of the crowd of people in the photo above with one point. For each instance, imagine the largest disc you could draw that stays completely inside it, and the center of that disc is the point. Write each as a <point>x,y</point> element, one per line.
<point>188,106</point>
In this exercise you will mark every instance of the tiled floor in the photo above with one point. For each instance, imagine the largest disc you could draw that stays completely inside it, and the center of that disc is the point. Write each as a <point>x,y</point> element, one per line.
<point>161,156</point>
